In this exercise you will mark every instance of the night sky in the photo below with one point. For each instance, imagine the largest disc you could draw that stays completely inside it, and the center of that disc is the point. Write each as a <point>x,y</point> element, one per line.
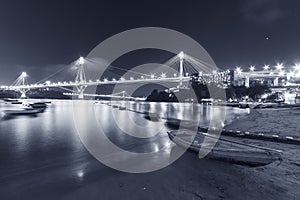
<point>36,36</point>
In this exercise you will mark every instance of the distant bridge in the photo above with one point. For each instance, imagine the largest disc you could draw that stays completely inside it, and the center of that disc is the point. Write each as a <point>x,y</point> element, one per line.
<point>186,67</point>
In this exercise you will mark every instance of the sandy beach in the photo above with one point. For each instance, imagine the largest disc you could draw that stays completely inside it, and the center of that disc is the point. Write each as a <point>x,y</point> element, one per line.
<point>282,122</point>
<point>282,178</point>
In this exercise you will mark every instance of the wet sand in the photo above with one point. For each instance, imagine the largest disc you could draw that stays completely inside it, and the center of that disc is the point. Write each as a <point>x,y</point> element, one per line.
<point>187,178</point>
<point>283,122</point>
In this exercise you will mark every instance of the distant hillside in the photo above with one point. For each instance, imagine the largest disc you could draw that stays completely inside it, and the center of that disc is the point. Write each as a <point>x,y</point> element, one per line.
<point>34,94</point>
<point>46,94</point>
<point>197,92</point>
<point>9,94</point>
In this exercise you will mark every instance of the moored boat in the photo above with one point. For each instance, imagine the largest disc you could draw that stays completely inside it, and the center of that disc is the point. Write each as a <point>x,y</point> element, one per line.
<point>10,100</point>
<point>17,102</point>
<point>266,105</point>
<point>46,102</point>
<point>39,105</point>
<point>122,108</point>
<point>177,123</point>
<point>22,111</point>
<point>152,116</point>
<point>225,150</point>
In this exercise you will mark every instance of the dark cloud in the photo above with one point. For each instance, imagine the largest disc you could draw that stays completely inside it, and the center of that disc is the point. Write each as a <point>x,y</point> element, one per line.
<point>265,11</point>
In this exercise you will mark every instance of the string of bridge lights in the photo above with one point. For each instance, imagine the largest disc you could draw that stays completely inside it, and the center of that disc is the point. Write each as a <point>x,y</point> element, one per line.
<point>279,67</point>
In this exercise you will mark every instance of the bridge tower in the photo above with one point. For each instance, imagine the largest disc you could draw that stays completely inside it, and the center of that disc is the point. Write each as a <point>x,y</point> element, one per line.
<point>23,91</point>
<point>80,78</point>
<point>19,84</point>
<point>181,59</point>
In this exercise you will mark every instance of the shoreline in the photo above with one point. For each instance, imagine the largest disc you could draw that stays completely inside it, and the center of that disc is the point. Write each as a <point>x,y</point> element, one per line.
<point>282,122</point>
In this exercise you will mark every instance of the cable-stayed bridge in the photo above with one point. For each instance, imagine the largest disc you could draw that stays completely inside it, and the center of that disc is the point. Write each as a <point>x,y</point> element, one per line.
<point>184,68</point>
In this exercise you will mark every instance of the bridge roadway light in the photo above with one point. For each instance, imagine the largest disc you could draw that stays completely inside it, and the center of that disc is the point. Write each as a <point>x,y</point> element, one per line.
<point>297,66</point>
<point>48,82</point>
<point>279,66</point>
<point>266,67</point>
<point>152,76</point>
<point>163,75</point>
<point>252,68</point>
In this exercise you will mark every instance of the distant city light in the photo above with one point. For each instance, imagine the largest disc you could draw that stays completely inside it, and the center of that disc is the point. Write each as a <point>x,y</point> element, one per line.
<point>152,75</point>
<point>48,82</point>
<point>239,70</point>
<point>266,67</point>
<point>281,72</point>
<point>252,68</point>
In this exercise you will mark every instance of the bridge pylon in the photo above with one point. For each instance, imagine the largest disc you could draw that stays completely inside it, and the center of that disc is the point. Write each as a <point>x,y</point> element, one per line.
<point>181,59</point>
<point>80,78</point>
<point>19,84</point>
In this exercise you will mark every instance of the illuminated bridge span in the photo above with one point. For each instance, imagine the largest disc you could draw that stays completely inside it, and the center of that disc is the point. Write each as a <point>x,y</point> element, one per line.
<point>276,76</point>
<point>185,68</point>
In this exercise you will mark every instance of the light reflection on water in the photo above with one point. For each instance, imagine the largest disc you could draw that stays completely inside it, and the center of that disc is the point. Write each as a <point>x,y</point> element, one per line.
<point>51,135</point>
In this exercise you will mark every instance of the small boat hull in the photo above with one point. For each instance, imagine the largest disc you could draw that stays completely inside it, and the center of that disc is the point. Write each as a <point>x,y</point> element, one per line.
<point>152,116</point>
<point>176,123</point>
<point>122,108</point>
<point>38,105</point>
<point>23,112</point>
<point>224,151</point>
